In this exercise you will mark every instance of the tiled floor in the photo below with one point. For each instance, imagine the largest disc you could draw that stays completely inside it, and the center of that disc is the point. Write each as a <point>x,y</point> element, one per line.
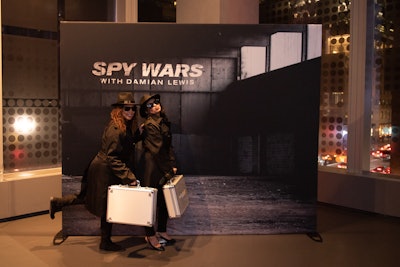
<point>349,238</point>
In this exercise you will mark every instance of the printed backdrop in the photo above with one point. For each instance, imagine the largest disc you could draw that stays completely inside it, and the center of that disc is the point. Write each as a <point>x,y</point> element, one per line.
<point>245,137</point>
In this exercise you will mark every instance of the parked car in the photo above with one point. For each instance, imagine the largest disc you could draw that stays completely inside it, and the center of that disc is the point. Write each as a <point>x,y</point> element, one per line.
<point>381,169</point>
<point>381,154</point>
<point>342,165</point>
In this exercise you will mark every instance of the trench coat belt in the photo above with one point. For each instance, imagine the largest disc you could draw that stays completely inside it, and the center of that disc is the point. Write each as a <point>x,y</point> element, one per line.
<point>102,155</point>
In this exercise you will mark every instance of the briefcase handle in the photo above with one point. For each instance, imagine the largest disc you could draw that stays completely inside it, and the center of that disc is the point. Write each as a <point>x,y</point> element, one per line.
<point>128,185</point>
<point>170,181</point>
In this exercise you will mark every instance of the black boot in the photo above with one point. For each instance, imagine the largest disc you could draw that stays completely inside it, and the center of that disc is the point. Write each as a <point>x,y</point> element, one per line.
<point>106,243</point>
<point>56,204</point>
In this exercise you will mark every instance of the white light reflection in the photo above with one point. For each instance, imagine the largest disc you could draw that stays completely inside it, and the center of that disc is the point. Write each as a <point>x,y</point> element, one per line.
<point>24,125</point>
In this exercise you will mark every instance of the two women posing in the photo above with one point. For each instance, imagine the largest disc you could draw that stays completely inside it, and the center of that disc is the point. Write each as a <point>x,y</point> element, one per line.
<point>114,164</point>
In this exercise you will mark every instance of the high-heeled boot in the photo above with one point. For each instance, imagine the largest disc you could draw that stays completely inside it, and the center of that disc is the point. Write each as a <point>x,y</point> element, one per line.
<point>106,243</point>
<point>57,204</point>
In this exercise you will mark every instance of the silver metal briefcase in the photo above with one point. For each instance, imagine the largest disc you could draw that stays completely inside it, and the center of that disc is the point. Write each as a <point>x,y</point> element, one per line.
<point>133,205</point>
<point>176,196</point>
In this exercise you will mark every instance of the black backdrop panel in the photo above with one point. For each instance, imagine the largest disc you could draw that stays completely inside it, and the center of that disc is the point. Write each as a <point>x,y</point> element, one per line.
<point>264,127</point>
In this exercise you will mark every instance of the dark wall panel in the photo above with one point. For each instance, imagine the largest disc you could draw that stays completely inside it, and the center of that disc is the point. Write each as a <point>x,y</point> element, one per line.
<point>30,67</point>
<point>194,70</point>
<point>32,14</point>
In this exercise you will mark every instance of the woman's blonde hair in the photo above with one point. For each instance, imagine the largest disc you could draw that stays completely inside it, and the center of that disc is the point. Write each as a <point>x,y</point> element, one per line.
<point>119,120</point>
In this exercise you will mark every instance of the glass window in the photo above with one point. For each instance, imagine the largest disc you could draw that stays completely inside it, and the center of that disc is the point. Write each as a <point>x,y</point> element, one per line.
<point>382,77</point>
<point>385,69</point>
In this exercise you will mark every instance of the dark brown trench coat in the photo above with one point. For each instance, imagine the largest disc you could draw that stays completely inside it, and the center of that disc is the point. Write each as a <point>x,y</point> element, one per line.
<point>158,157</point>
<point>157,163</point>
<point>113,164</point>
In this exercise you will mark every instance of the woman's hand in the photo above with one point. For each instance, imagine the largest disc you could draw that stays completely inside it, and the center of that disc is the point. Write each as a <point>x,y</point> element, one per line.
<point>141,128</point>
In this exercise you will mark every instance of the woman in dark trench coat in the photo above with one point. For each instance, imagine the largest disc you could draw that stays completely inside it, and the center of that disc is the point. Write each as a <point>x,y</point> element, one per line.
<point>157,164</point>
<point>113,164</point>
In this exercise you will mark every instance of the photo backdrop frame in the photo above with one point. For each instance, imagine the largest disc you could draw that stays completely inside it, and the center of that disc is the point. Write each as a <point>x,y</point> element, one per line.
<point>246,136</point>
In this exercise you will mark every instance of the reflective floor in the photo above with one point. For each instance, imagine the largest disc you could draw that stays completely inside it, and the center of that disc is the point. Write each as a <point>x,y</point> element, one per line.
<point>346,238</point>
